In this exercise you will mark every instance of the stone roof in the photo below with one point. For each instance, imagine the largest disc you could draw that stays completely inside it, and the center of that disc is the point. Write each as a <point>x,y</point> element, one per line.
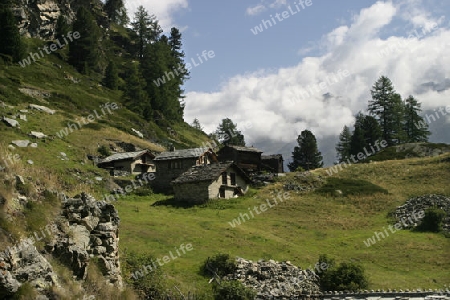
<point>244,149</point>
<point>272,156</point>
<point>177,154</point>
<point>208,172</point>
<point>124,156</point>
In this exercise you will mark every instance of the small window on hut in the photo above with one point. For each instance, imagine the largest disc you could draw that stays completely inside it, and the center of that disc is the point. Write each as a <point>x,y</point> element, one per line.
<point>224,178</point>
<point>222,193</point>
<point>233,178</point>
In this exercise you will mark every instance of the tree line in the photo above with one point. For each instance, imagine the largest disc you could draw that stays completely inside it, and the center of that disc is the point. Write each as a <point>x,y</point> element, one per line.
<point>129,55</point>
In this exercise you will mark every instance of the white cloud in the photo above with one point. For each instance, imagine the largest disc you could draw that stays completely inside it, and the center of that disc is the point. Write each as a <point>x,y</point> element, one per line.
<point>163,10</point>
<point>263,6</point>
<point>255,10</point>
<point>274,103</point>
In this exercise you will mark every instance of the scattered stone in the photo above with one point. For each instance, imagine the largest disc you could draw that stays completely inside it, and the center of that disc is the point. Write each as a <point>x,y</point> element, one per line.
<point>11,147</point>
<point>98,178</point>
<point>30,162</point>
<point>138,133</point>
<point>93,231</point>
<point>24,111</point>
<point>11,122</point>
<point>21,143</point>
<point>417,204</point>
<point>23,117</point>
<point>42,108</point>
<point>33,145</point>
<point>304,182</point>
<point>37,134</point>
<point>275,280</point>
<point>20,180</point>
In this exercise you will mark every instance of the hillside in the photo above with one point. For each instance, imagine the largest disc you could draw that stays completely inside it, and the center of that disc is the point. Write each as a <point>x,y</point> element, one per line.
<point>303,227</point>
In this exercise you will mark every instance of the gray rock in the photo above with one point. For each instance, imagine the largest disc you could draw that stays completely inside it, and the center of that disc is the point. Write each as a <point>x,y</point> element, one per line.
<point>42,108</point>
<point>30,162</point>
<point>33,145</point>
<point>19,179</point>
<point>37,134</point>
<point>138,133</point>
<point>21,143</point>
<point>23,117</point>
<point>11,122</point>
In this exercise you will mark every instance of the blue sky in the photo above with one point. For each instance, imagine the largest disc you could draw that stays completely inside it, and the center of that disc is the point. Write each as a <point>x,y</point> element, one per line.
<point>312,70</point>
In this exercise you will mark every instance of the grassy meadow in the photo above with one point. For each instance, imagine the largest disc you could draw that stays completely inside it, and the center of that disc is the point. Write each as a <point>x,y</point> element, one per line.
<point>301,228</point>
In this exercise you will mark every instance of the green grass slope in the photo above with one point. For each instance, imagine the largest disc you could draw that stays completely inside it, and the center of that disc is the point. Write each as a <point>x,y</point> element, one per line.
<point>304,226</point>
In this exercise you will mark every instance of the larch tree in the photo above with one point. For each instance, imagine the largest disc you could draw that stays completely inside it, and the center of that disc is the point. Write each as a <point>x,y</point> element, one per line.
<point>415,127</point>
<point>306,154</point>
<point>343,147</point>
<point>227,133</point>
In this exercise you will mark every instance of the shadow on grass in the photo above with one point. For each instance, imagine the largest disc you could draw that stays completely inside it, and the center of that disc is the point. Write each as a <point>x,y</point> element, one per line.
<point>175,203</point>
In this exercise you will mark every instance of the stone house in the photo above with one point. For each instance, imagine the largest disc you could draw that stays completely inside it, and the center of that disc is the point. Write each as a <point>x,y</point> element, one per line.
<point>200,183</point>
<point>171,164</point>
<point>246,158</point>
<point>136,162</point>
<point>272,163</point>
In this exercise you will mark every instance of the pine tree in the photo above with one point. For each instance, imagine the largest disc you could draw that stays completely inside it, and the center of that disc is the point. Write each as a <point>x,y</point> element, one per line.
<point>84,52</point>
<point>386,107</point>
<point>415,127</point>
<point>11,43</point>
<point>147,29</point>
<point>358,142</point>
<point>371,129</point>
<point>111,79</point>
<point>343,147</point>
<point>117,12</point>
<point>62,28</point>
<point>227,133</point>
<point>135,97</point>
<point>196,124</point>
<point>306,154</point>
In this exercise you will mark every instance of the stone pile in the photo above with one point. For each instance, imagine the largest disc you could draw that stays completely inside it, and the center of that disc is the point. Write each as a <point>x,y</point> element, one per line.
<point>276,280</point>
<point>416,204</point>
<point>92,231</point>
<point>304,182</point>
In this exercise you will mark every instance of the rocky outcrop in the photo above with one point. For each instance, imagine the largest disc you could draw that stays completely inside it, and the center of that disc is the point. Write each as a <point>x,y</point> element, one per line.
<point>91,230</point>
<point>417,204</point>
<point>38,18</point>
<point>304,182</point>
<point>276,280</point>
<point>25,265</point>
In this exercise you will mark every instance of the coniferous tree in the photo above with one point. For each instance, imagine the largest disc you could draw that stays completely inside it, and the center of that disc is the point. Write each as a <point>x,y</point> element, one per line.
<point>147,29</point>
<point>11,43</point>
<point>135,96</point>
<point>358,142</point>
<point>386,106</point>
<point>111,79</point>
<point>117,12</point>
<point>62,28</point>
<point>306,154</point>
<point>371,129</point>
<point>196,124</point>
<point>227,133</point>
<point>84,52</point>
<point>343,147</point>
<point>416,129</point>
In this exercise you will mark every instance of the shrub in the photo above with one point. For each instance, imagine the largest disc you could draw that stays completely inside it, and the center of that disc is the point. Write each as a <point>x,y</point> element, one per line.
<point>432,221</point>
<point>104,151</point>
<point>232,290</point>
<point>345,277</point>
<point>222,264</point>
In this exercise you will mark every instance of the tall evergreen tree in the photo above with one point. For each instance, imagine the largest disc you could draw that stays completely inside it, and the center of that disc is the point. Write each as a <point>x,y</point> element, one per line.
<point>386,107</point>
<point>358,142</point>
<point>84,52</point>
<point>416,128</point>
<point>227,133</point>
<point>147,29</point>
<point>11,43</point>
<point>371,129</point>
<point>196,124</point>
<point>306,154</point>
<point>62,28</point>
<point>135,96</point>
<point>343,147</point>
<point>111,79</point>
<point>117,12</point>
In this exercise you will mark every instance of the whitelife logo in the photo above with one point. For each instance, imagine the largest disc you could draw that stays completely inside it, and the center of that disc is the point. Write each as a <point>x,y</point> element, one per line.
<point>53,47</point>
